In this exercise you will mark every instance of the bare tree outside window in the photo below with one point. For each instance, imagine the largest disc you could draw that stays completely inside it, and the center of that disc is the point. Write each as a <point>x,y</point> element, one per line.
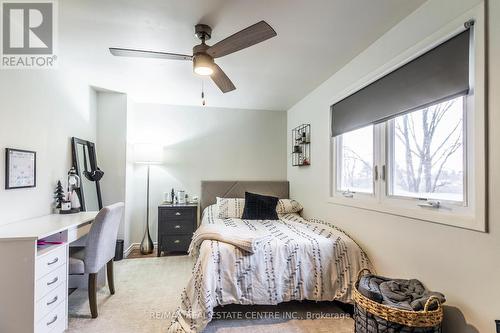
<point>428,152</point>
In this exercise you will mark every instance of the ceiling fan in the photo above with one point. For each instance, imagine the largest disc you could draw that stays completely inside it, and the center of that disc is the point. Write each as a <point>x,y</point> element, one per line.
<point>204,55</point>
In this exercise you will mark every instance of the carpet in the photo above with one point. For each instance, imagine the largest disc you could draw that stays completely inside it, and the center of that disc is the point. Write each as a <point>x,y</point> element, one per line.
<point>148,292</point>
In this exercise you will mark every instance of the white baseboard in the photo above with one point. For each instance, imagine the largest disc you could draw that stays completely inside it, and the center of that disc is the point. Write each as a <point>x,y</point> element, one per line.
<point>130,248</point>
<point>133,246</point>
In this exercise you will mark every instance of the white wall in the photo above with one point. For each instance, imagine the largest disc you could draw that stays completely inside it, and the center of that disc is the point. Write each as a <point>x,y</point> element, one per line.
<point>463,264</point>
<point>203,144</point>
<point>41,110</point>
<point>111,145</point>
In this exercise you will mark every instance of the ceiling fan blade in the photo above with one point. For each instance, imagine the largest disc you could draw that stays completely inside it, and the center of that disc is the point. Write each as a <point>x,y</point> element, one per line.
<point>119,52</point>
<point>247,37</point>
<point>221,80</point>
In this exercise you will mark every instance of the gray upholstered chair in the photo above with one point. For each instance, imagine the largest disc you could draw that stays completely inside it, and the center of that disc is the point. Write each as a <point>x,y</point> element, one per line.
<point>98,251</point>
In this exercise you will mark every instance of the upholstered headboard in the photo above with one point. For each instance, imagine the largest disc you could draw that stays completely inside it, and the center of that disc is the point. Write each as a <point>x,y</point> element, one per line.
<point>212,189</point>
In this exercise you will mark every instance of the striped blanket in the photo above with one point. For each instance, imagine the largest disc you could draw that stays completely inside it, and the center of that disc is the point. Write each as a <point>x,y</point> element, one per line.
<point>301,260</point>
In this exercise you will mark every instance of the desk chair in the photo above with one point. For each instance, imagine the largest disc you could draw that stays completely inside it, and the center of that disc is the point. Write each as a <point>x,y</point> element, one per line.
<point>98,251</point>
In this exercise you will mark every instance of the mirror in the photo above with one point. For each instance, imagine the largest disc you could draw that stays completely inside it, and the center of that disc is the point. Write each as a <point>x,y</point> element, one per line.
<point>85,163</point>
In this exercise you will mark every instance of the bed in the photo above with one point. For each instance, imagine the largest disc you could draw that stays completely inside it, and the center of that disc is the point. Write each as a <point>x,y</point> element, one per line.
<point>300,260</point>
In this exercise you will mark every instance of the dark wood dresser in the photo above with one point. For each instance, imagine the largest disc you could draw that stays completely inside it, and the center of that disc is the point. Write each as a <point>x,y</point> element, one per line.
<point>176,224</point>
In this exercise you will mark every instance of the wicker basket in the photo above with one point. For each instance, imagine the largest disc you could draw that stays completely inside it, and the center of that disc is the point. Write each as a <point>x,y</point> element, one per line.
<point>371,313</point>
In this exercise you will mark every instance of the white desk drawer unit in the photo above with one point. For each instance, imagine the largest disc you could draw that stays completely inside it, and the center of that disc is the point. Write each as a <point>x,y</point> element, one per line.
<point>39,301</point>
<point>55,321</point>
<point>50,301</point>
<point>51,289</point>
<point>50,281</point>
<point>50,260</point>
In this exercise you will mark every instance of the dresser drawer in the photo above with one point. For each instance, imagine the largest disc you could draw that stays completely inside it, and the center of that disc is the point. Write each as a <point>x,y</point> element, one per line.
<point>177,227</point>
<point>50,301</point>
<point>172,214</point>
<point>176,243</point>
<point>53,322</point>
<point>49,261</point>
<point>50,282</point>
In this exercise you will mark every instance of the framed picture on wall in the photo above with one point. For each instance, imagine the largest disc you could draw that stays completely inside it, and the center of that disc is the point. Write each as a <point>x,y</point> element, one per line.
<point>20,168</point>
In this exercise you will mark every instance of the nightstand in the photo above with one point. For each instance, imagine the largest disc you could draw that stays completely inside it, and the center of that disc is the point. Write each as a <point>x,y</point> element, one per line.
<point>176,225</point>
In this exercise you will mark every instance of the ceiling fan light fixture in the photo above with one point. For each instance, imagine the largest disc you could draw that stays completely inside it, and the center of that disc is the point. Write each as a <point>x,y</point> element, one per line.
<point>204,71</point>
<point>203,64</point>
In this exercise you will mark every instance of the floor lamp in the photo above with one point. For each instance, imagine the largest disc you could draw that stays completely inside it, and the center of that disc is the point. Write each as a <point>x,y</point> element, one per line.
<point>148,154</point>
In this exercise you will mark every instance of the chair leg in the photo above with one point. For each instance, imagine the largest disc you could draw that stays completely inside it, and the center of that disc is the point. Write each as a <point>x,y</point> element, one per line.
<point>93,294</point>
<point>111,280</point>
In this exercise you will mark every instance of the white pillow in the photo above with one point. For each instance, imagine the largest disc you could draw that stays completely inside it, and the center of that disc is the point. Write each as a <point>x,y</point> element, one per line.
<point>230,207</point>
<point>287,206</point>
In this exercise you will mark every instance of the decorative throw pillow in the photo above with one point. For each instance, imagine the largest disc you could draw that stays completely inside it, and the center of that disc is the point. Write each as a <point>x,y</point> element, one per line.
<point>287,206</point>
<point>230,207</point>
<point>259,207</point>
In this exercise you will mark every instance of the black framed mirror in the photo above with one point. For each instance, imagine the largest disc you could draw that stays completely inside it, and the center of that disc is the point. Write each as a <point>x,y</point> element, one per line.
<point>85,163</point>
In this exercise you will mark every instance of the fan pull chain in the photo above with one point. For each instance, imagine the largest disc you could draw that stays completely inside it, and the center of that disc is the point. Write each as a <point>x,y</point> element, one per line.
<point>203,102</point>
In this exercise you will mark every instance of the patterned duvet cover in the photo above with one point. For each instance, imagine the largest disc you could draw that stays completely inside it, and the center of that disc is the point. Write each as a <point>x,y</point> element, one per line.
<point>303,260</point>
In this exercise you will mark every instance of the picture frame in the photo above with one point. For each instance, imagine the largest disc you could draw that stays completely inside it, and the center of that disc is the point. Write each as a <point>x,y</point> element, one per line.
<point>20,169</point>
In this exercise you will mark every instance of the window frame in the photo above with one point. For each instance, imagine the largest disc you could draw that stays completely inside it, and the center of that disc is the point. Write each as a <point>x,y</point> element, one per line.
<point>451,208</point>
<point>338,169</point>
<point>389,164</point>
<point>472,216</point>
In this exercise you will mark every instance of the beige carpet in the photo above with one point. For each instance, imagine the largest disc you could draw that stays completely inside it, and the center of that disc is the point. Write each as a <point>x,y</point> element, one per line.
<point>148,292</point>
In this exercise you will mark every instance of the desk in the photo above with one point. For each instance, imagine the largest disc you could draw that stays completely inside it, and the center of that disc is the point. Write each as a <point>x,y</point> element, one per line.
<point>34,279</point>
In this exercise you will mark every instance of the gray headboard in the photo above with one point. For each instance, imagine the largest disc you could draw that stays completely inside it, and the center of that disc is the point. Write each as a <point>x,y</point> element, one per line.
<point>212,189</point>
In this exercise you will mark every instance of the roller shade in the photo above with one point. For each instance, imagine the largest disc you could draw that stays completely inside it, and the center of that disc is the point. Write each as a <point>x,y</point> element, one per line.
<point>438,74</point>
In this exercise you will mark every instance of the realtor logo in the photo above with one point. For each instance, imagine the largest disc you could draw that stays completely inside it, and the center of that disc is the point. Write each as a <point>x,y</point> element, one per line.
<point>28,34</point>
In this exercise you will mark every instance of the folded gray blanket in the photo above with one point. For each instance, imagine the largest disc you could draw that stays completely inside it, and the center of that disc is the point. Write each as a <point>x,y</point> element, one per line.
<point>408,295</point>
<point>241,237</point>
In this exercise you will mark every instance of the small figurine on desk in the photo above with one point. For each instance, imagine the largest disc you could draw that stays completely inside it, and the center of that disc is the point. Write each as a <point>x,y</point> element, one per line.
<point>59,196</point>
<point>72,198</point>
<point>75,201</point>
<point>65,207</point>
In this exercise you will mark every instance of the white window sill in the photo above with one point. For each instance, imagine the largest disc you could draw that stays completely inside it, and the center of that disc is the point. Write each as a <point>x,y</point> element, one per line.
<point>439,215</point>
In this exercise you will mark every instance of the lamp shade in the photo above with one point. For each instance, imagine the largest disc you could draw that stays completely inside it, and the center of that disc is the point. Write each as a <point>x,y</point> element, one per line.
<point>148,153</point>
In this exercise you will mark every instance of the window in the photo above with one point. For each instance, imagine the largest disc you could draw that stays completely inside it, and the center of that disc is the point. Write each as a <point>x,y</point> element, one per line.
<point>425,164</point>
<point>355,157</point>
<point>412,142</point>
<point>426,153</point>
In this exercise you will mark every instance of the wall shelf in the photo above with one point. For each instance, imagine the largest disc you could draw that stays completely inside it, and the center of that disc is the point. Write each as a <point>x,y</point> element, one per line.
<point>301,145</point>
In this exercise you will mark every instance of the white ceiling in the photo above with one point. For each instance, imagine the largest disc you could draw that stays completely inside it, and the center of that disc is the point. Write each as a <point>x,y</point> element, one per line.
<point>315,39</point>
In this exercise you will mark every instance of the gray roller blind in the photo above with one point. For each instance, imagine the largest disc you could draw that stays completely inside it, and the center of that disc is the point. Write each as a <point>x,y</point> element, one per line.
<point>440,73</point>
